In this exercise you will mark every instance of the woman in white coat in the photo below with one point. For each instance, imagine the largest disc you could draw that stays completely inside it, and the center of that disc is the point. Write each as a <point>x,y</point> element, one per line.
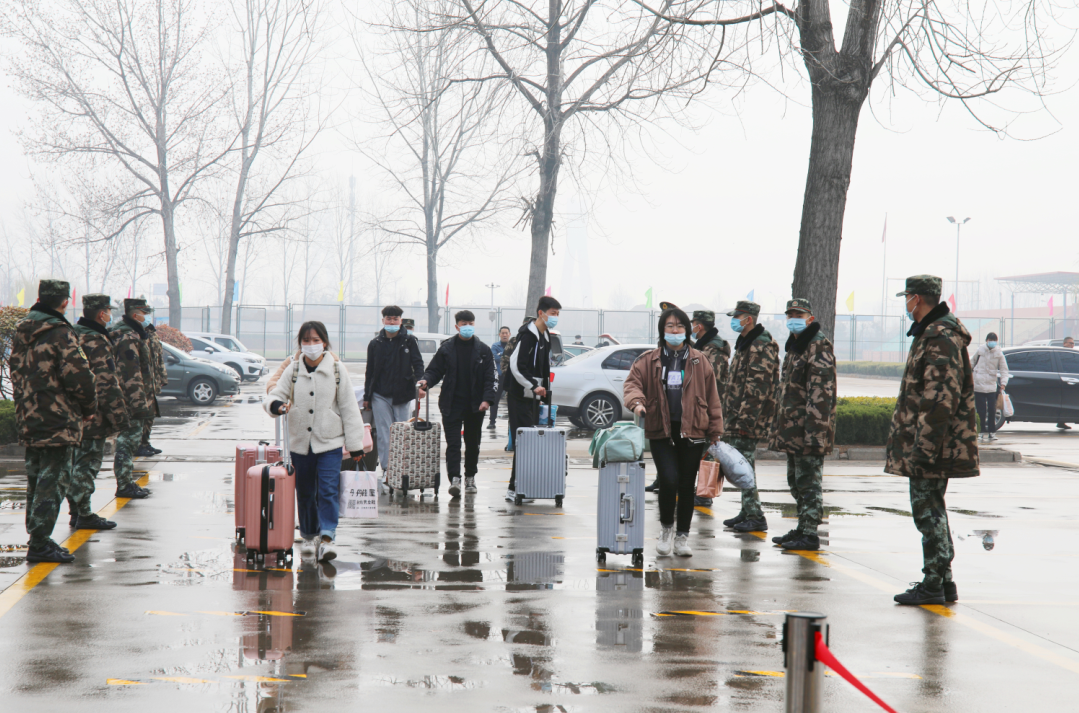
<point>991,375</point>
<point>324,417</point>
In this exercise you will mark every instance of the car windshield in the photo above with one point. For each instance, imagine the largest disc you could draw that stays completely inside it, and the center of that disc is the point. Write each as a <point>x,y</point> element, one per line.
<point>176,352</point>
<point>231,343</point>
<point>588,354</point>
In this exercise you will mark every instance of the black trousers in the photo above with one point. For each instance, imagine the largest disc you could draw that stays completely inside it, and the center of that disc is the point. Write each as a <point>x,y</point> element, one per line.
<point>987,409</point>
<point>472,424</point>
<point>524,413</point>
<point>501,388</point>
<point>677,462</point>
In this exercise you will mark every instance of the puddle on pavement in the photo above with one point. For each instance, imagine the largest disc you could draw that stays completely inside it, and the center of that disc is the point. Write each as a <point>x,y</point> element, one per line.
<point>893,511</point>
<point>974,513</point>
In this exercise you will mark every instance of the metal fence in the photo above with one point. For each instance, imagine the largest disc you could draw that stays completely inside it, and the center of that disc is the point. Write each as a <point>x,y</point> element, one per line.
<point>270,330</point>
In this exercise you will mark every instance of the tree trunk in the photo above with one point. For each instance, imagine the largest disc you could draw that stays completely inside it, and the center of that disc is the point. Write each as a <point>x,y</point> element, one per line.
<point>432,288</point>
<point>831,154</point>
<point>171,267</point>
<point>543,216</point>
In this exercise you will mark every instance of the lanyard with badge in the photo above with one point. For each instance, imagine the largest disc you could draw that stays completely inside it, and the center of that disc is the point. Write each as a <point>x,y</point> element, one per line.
<point>674,378</point>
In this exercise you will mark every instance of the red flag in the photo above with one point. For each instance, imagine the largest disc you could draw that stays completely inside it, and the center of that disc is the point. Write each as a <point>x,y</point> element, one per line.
<point>447,294</point>
<point>951,301</point>
<point>75,293</point>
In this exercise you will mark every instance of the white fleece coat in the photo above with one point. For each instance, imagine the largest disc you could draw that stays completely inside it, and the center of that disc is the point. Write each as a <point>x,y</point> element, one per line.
<point>324,415</point>
<point>989,365</point>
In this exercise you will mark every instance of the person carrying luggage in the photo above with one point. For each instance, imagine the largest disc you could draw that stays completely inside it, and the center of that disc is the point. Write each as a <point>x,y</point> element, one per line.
<point>317,393</point>
<point>673,389</point>
<point>465,366</point>
<point>394,365</point>
<point>530,369</point>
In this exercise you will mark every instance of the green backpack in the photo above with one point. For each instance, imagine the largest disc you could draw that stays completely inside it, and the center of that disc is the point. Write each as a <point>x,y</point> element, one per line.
<point>623,442</point>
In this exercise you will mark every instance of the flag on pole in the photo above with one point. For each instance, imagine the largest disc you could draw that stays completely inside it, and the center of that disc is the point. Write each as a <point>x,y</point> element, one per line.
<point>850,302</point>
<point>129,291</point>
<point>235,291</point>
<point>75,293</point>
<point>548,292</point>
<point>21,297</point>
<point>447,294</point>
<point>648,298</point>
<point>951,301</point>
<point>1050,306</point>
<point>341,291</point>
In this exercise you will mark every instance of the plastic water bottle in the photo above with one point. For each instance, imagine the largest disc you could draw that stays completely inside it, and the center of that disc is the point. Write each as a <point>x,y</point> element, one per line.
<point>554,413</point>
<point>543,415</point>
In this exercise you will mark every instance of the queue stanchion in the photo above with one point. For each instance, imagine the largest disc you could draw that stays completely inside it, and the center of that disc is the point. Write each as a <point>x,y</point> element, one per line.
<point>804,673</point>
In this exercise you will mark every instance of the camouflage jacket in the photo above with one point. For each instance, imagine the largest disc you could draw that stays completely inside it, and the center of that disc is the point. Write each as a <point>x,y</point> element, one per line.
<point>935,428</point>
<point>111,415</point>
<point>133,367</point>
<point>157,358</point>
<point>718,353</point>
<point>805,404</point>
<point>504,363</point>
<point>51,379</point>
<point>750,401</point>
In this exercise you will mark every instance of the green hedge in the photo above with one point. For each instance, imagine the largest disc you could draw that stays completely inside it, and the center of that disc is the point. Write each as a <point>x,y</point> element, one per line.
<point>7,422</point>
<point>870,368</point>
<point>863,420</point>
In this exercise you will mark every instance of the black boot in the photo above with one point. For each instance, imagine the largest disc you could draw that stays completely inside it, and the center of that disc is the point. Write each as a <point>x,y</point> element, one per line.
<point>131,490</point>
<point>144,451</point>
<point>93,521</point>
<point>754,525</point>
<point>731,522</point>
<point>780,539</point>
<point>920,594</point>
<point>653,487</point>
<point>951,592</point>
<point>49,552</point>
<point>808,543</point>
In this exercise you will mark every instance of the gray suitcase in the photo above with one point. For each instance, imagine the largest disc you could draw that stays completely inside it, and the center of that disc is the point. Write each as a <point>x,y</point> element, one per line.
<point>535,569</point>
<point>620,511</point>
<point>620,619</point>
<point>542,464</point>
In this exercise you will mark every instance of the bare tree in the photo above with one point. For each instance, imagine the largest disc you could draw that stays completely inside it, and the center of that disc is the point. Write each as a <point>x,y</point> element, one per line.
<point>966,52</point>
<point>270,104</point>
<point>122,80</point>
<point>578,63</point>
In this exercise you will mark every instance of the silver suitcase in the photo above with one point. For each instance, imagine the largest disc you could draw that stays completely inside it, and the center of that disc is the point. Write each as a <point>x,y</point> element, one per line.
<point>542,464</point>
<point>620,511</point>
<point>620,614</point>
<point>534,570</point>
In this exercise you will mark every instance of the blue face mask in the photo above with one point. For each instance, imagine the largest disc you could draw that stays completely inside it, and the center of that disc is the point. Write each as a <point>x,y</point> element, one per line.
<point>410,332</point>
<point>674,339</point>
<point>796,324</point>
<point>392,328</point>
<point>991,345</point>
<point>552,321</point>
<point>736,325</point>
<point>467,331</point>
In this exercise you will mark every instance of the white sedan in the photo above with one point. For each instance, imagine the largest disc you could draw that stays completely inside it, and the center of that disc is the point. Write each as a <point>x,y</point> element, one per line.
<point>588,388</point>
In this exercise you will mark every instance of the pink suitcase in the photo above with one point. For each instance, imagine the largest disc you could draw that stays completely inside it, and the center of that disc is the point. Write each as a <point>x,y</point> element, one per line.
<point>247,456</point>
<point>270,509</point>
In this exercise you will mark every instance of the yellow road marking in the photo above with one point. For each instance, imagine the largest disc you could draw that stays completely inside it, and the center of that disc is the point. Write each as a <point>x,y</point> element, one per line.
<point>33,577</point>
<point>830,672</point>
<point>123,682</point>
<point>774,674</point>
<point>259,679</point>
<point>180,679</point>
<point>164,613</point>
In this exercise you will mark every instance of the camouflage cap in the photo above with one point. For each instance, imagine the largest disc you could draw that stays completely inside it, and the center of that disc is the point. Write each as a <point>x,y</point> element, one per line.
<point>800,304</point>
<point>408,323</point>
<point>745,307</point>
<point>704,315</point>
<point>133,303</point>
<point>97,301</point>
<point>922,285</point>
<point>53,288</point>
<point>667,305</point>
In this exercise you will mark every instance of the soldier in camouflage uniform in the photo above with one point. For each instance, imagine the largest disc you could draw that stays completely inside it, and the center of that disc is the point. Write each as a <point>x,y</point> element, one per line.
<point>934,434</point>
<point>137,380</point>
<point>718,353</point>
<point>804,426</point>
<point>54,397</point>
<point>161,377</point>
<point>750,402</point>
<point>111,415</point>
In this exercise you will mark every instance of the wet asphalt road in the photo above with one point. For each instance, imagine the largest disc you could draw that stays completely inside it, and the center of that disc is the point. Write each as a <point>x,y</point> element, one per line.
<point>475,604</point>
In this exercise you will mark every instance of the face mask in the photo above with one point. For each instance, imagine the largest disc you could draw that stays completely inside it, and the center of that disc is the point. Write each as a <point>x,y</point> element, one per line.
<point>736,325</point>
<point>910,315</point>
<point>796,324</point>
<point>392,328</point>
<point>410,332</point>
<point>467,331</point>
<point>991,345</point>
<point>674,339</point>
<point>312,351</point>
<point>552,321</point>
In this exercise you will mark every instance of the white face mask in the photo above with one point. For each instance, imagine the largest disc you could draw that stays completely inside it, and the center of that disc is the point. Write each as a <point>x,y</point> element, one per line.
<point>312,351</point>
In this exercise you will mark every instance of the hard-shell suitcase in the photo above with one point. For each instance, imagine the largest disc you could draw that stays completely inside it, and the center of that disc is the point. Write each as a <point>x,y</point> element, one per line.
<point>247,456</point>
<point>269,636</point>
<point>414,458</point>
<point>619,611</point>
<point>542,464</point>
<point>620,511</point>
<point>270,509</point>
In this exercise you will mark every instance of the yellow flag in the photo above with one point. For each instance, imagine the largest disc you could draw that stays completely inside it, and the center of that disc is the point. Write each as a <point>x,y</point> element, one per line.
<point>850,302</point>
<point>341,292</point>
<point>21,297</point>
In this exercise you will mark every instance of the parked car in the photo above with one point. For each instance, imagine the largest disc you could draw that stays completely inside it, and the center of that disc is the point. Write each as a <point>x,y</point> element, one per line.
<point>248,365</point>
<point>1044,387</point>
<point>198,379</point>
<point>226,340</point>
<point>588,388</point>
<point>1045,343</point>
<point>572,350</point>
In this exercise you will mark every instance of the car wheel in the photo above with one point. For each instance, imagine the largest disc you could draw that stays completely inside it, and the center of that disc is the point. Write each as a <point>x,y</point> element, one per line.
<point>203,392</point>
<point>1000,420</point>
<point>237,369</point>
<point>600,411</point>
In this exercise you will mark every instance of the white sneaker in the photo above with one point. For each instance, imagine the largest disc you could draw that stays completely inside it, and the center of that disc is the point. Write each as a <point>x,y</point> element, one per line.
<point>308,546</point>
<point>666,534</point>
<point>455,487</point>
<point>992,437</point>
<point>510,496</point>
<point>681,546</point>
<point>470,484</point>
<point>327,550</point>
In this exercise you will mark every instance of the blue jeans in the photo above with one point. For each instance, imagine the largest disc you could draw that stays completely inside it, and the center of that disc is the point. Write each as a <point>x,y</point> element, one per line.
<point>318,483</point>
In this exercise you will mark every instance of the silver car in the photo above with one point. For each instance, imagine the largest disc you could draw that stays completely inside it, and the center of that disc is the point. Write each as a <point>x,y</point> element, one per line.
<point>588,388</point>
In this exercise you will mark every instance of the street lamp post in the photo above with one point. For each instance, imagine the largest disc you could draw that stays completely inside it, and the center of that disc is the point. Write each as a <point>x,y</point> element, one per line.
<point>492,287</point>
<point>958,226</point>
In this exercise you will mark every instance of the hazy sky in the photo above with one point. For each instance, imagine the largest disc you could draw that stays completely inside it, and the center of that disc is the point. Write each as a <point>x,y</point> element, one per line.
<point>718,215</point>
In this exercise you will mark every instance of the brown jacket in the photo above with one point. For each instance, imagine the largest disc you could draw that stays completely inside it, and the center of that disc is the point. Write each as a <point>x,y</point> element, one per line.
<point>702,413</point>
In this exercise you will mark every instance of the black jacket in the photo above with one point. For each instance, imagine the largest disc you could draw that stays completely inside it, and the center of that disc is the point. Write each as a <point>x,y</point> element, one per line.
<point>530,363</point>
<point>395,364</point>
<point>443,368</point>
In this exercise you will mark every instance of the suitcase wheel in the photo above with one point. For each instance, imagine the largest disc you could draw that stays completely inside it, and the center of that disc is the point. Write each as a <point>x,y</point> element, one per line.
<point>558,501</point>
<point>638,560</point>
<point>601,556</point>
<point>519,500</point>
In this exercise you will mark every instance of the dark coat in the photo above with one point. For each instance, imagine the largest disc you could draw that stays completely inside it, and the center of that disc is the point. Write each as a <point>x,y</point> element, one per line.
<point>394,361</point>
<point>443,368</point>
<point>111,415</point>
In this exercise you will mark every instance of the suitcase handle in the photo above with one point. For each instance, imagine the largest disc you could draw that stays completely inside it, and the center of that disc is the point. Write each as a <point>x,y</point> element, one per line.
<point>425,424</point>
<point>626,509</point>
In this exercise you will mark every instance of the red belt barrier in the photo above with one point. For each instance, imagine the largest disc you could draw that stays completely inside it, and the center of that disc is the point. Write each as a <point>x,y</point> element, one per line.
<point>827,658</point>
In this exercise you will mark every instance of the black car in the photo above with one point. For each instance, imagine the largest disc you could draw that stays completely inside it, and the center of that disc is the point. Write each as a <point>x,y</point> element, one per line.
<point>1044,387</point>
<point>200,380</point>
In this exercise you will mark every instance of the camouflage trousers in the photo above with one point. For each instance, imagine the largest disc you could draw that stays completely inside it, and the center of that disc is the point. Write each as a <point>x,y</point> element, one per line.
<point>147,426</point>
<point>931,519</point>
<point>127,442</point>
<point>804,476</point>
<point>48,473</point>
<point>751,500</point>
<point>88,457</point>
